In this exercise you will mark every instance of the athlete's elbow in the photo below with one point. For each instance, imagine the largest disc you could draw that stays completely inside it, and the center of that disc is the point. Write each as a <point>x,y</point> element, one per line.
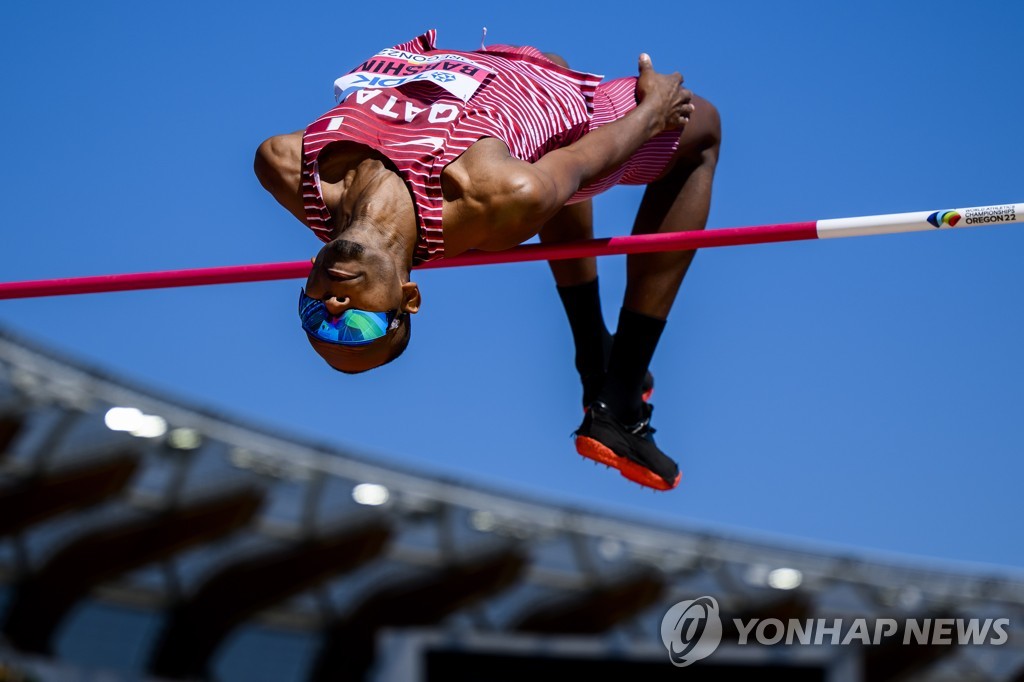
<point>529,199</point>
<point>276,161</point>
<point>263,164</point>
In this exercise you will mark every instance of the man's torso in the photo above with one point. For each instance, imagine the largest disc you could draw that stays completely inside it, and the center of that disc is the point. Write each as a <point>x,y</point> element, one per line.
<point>432,112</point>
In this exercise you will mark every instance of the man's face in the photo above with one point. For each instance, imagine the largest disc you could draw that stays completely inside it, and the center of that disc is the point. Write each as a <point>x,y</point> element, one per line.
<point>345,275</point>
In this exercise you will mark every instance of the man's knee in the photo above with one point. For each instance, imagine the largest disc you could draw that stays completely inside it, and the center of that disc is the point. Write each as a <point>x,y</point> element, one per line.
<point>557,59</point>
<point>708,123</point>
<point>701,138</point>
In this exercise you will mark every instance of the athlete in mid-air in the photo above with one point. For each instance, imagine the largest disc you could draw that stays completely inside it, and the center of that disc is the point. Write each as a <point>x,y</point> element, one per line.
<point>433,152</point>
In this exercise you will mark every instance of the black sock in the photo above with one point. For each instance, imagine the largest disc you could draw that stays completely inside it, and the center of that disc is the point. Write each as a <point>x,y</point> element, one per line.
<point>635,340</point>
<point>583,307</point>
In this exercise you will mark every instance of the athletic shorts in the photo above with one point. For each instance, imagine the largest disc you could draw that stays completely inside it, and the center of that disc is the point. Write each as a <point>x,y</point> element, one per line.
<point>613,100</point>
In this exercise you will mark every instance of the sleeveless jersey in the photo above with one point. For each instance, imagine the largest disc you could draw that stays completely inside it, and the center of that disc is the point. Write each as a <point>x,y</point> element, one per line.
<point>422,107</point>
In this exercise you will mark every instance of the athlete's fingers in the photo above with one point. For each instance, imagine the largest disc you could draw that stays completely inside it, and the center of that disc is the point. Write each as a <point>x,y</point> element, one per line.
<point>645,62</point>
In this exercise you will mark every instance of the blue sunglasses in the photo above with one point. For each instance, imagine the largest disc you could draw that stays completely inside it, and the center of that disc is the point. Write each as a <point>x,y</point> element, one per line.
<point>353,327</point>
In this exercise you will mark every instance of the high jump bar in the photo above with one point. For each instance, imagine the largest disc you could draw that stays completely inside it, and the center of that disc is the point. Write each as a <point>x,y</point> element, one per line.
<point>919,221</point>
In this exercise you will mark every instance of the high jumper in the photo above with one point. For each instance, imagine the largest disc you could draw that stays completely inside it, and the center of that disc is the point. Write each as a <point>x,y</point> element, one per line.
<point>430,153</point>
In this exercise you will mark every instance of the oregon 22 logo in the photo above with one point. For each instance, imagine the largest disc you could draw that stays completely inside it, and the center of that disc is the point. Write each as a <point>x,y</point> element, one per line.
<point>940,218</point>
<point>691,630</point>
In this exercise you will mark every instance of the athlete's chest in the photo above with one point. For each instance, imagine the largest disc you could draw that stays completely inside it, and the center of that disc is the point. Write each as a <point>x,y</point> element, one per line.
<point>476,211</point>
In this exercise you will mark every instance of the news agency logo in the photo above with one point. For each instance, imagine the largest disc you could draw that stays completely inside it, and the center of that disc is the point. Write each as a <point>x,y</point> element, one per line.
<point>948,218</point>
<point>691,630</point>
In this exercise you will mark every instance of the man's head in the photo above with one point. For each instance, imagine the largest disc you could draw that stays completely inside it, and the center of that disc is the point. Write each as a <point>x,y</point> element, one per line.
<point>354,273</point>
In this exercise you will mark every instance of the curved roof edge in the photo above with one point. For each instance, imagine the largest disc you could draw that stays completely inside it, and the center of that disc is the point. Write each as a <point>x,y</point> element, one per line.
<point>49,376</point>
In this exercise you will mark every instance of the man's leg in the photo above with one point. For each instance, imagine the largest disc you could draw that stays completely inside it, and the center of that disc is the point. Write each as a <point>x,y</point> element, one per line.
<point>616,430</point>
<point>577,285</point>
<point>680,200</point>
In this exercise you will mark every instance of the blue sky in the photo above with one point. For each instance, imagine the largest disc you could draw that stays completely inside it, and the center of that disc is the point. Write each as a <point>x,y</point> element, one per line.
<point>864,394</point>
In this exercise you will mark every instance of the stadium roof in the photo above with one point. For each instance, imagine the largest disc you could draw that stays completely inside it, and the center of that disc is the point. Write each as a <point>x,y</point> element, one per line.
<point>176,508</point>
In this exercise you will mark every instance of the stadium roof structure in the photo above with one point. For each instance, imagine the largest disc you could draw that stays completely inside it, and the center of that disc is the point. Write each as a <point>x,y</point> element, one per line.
<point>212,525</point>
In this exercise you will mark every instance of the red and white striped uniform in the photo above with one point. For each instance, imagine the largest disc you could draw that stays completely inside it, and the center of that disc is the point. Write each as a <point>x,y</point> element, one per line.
<point>520,97</point>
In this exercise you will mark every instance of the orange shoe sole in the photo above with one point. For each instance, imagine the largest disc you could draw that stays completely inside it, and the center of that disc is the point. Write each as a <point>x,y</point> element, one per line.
<point>594,450</point>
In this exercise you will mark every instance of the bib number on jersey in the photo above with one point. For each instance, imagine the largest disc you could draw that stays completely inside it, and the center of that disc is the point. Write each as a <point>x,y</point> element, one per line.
<point>393,68</point>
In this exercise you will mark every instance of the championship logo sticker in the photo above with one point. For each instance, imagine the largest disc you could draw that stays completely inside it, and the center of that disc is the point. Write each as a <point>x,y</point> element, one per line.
<point>947,218</point>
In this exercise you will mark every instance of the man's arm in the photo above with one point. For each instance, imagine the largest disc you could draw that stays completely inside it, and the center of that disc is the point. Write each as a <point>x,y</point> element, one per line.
<point>663,105</point>
<point>278,165</point>
<point>523,196</point>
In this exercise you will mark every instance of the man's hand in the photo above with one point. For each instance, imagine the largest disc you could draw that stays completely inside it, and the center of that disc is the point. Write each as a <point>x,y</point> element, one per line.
<point>513,198</point>
<point>664,94</point>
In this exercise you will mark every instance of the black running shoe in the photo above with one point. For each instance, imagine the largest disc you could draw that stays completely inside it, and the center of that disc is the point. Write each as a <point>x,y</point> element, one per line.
<point>630,449</point>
